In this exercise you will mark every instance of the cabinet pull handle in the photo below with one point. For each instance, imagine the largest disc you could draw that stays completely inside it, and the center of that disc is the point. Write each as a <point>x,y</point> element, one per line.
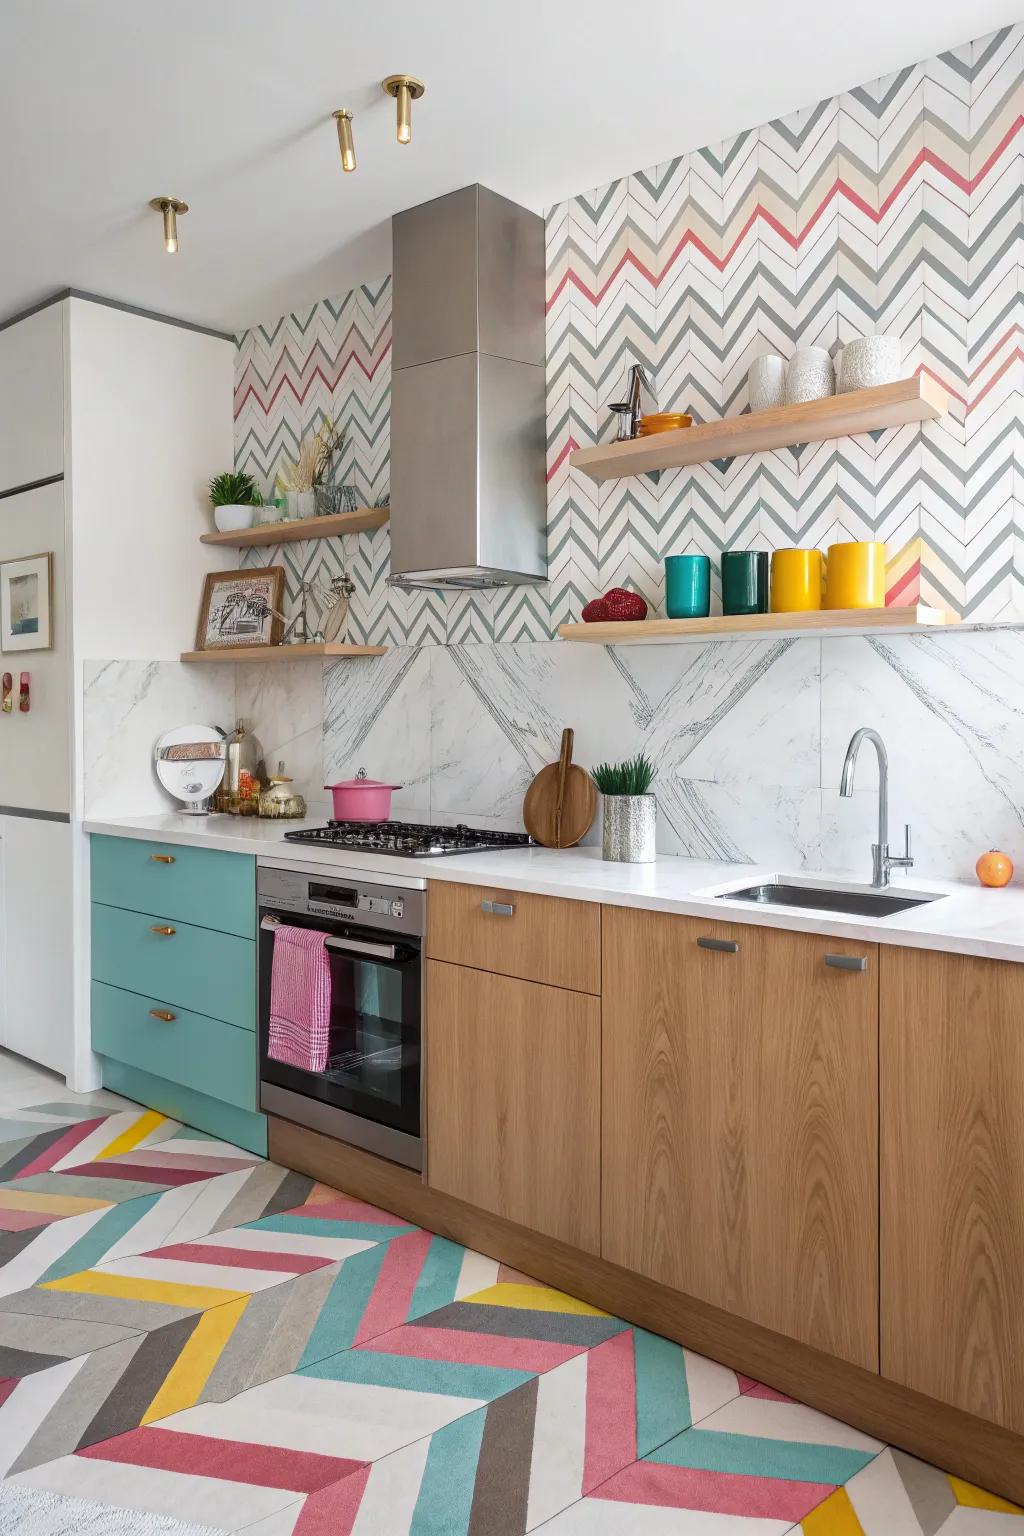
<point>727,946</point>
<point>164,930</point>
<point>162,858</point>
<point>498,908</point>
<point>163,1015</point>
<point>847,962</point>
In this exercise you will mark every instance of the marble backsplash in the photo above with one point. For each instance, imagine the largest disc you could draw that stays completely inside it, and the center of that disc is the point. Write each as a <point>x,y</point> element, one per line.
<point>748,736</point>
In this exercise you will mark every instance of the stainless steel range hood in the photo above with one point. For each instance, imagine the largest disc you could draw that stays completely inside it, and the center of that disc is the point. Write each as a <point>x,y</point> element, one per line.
<point>468,495</point>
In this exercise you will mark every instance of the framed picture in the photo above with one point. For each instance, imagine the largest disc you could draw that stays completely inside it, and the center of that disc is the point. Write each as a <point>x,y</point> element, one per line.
<point>26,604</point>
<point>241,608</point>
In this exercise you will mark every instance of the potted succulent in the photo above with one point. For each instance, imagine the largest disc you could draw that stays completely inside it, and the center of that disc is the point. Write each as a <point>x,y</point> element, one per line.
<point>627,835</point>
<point>235,499</point>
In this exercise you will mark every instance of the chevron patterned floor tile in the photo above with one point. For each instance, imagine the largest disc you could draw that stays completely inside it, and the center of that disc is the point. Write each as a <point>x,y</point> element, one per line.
<point>228,1484</point>
<point>383,1287</point>
<point>897,1495</point>
<point>536,1450</point>
<point>250,1350</point>
<point>754,1436</point>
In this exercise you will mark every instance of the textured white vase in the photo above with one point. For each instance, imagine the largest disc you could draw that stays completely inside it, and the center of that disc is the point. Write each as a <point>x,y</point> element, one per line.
<point>766,382</point>
<point>233,517</point>
<point>868,362</point>
<point>810,376</point>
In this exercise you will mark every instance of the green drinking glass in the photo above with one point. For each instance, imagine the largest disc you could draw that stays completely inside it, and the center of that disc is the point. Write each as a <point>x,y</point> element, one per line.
<point>745,581</point>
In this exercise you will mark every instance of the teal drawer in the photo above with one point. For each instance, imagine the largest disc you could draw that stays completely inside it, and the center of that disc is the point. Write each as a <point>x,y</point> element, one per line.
<point>195,968</point>
<point>197,885</point>
<point>203,1054</point>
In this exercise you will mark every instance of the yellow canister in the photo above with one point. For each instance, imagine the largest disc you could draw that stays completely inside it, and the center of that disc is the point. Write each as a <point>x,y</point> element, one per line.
<point>796,580</point>
<point>855,575</point>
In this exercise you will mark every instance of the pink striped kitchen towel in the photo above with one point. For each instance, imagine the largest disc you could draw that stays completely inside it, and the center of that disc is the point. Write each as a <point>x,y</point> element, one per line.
<point>300,999</point>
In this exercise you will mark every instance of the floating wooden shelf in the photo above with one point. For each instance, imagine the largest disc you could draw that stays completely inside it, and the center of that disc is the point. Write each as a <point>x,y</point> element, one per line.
<point>305,528</point>
<point>825,621</point>
<point>281,652</point>
<point>863,410</point>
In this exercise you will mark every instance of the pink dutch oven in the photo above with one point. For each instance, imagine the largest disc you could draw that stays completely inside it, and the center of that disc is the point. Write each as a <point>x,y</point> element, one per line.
<point>362,799</point>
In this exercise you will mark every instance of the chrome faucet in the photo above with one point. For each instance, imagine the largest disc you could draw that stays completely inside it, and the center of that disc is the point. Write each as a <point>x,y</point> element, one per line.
<point>882,861</point>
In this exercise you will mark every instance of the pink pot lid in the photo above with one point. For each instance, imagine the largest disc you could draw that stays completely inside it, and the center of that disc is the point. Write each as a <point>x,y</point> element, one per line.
<point>362,782</point>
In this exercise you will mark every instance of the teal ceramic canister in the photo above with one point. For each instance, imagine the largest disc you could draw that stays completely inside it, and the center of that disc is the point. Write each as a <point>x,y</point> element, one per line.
<point>745,581</point>
<point>687,586</point>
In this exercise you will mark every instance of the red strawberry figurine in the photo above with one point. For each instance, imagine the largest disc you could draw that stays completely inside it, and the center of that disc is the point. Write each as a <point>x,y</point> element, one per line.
<point>596,612</point>
<point>623,605</point>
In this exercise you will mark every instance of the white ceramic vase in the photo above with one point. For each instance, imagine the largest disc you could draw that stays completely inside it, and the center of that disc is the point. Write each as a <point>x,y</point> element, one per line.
<point>810,376</point>
<point>868,362</point>
<point>233,517</point>
<point>766,382</point>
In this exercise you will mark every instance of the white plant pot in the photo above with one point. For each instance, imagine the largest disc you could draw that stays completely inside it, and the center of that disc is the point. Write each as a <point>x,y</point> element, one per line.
<point>766,383</point>
<point>233,518</point>
<point>809,376</point>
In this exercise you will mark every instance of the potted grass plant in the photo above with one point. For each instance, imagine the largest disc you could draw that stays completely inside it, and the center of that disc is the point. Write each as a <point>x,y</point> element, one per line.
<point>235,498</point>
<point>629,810</point>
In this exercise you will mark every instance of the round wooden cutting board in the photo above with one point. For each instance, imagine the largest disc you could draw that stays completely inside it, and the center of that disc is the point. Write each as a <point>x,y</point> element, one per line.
<point>561,803</point>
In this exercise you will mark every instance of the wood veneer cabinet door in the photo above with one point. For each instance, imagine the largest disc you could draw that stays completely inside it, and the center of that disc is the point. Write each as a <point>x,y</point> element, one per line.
<point>514,1100</point>
<point>740,1154</point>
<point>538,938</point>
<point>952,1107</point>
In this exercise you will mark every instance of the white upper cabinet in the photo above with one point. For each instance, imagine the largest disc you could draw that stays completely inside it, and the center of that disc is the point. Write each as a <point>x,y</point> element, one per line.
<point>32,398</point>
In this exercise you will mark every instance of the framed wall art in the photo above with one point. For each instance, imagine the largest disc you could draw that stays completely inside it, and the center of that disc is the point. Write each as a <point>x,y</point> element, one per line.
<point>26,603</point>
<point>241,608</point>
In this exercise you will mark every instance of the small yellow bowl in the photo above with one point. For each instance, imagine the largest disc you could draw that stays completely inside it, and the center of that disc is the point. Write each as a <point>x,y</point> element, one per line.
<point>663,421</point>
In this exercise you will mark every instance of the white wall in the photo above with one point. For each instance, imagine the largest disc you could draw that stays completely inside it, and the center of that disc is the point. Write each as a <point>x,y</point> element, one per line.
<point>36,970</point>
<point>35,748</point>
<point>31,424</point>
<point>151,422</point>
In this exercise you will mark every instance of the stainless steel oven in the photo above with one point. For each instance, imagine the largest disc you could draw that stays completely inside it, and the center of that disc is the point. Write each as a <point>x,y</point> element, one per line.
<point>369,1092</point>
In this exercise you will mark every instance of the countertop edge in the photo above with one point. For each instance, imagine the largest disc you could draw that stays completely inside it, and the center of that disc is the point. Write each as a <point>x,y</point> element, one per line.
<point>264,841</point>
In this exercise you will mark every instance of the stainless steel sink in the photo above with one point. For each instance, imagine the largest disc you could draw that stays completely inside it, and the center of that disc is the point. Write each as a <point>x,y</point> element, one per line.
<point>823,898</point>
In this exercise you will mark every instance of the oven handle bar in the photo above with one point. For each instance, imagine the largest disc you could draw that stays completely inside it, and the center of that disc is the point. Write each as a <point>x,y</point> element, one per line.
<point>347,946</point>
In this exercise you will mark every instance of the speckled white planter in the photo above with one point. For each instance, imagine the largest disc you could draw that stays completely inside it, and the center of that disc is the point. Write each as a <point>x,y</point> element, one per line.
<point>810,376</point>
<point>766,382</point>
<point>868,362</point>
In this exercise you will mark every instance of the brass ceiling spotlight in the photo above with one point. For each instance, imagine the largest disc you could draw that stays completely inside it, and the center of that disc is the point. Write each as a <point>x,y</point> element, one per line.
<point>343,118</point>
<point>405,89</point>
<point>170,207</point>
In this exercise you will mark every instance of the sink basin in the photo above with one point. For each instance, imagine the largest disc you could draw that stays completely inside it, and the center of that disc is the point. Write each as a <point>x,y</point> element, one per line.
<point>823,898</point>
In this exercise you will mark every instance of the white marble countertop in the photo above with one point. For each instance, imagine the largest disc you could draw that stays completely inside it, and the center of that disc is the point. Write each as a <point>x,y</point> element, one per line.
<point>967,920</point>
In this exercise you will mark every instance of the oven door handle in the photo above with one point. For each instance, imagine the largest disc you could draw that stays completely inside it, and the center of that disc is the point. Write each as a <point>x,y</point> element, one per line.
<point>347,946</point>
<point>361,947</point>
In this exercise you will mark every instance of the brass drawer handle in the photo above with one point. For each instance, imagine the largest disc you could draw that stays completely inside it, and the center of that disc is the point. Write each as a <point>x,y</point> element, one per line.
<point>164,930</point>
<point>498,908</point>
<point>163,1015</point>
<point>162,858</point>
<point>847,962</point>
<point>726,946</point>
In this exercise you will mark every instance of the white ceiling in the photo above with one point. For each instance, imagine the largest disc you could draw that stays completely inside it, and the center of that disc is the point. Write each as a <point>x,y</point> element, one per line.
<point>106,103</point>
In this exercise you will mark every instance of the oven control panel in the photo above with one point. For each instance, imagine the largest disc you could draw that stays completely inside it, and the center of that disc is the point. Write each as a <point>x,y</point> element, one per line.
<point>351,904</point>
<point>339,898</point>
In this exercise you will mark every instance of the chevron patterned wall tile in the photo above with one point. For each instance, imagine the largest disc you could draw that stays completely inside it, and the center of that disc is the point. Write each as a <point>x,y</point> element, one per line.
<point>897,207</point>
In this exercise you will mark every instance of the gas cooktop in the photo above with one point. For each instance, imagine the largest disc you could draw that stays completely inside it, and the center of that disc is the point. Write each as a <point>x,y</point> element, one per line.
<point>408,839</point>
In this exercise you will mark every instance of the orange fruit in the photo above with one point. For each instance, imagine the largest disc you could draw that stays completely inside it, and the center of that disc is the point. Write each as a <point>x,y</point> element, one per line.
<point>994,868</point>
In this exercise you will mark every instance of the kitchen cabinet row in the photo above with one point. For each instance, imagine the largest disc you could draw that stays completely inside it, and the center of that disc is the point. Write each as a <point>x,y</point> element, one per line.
<point>821,1136</point>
